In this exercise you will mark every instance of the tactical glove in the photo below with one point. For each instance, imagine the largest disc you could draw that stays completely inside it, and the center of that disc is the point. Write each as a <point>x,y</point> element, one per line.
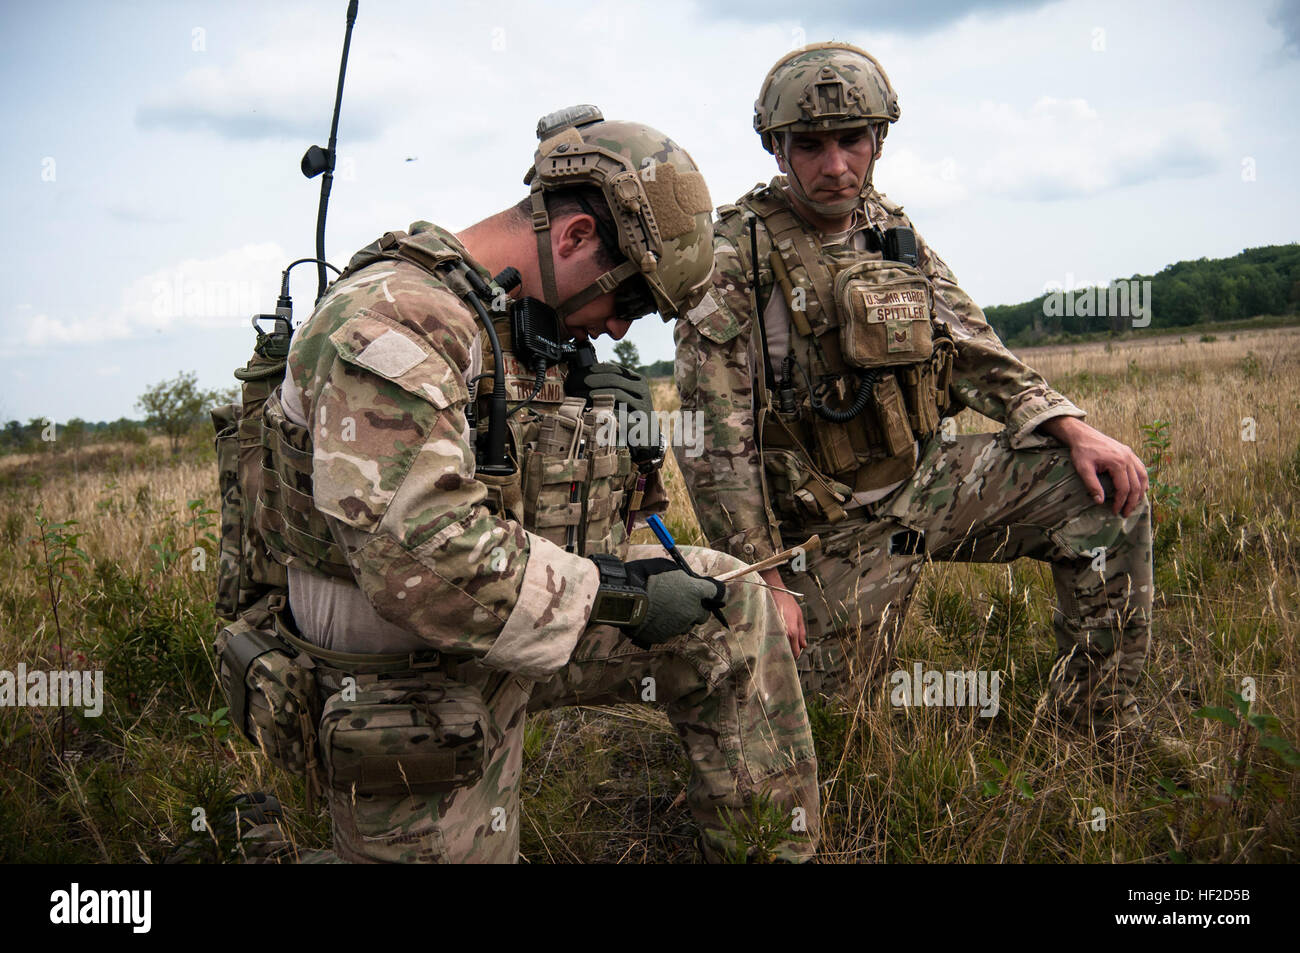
<point>624,385</point>
<point>678,601</point>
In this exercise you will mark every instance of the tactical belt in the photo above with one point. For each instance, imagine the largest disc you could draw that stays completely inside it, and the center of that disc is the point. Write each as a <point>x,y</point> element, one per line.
<point>363,663</point>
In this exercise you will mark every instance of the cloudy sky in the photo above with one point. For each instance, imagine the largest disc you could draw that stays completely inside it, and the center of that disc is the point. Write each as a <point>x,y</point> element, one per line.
<point>150,191</point>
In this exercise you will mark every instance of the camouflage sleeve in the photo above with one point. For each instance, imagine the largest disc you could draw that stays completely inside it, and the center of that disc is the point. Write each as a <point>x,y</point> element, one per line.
<point>393,465</point>
<point>987,377</point>
<point>715,379</point>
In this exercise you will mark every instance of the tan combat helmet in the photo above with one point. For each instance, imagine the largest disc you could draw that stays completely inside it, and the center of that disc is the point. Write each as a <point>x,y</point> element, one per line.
<point>821,87</point>
<point>659,202</point>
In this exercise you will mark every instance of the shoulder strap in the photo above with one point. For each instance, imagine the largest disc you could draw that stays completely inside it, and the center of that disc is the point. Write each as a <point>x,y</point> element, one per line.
<point>796,246</point>
<point>424,249</point>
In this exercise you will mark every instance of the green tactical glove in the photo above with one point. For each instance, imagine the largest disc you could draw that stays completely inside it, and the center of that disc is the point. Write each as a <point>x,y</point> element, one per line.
<point>678,601</point>
<point>624,385</point>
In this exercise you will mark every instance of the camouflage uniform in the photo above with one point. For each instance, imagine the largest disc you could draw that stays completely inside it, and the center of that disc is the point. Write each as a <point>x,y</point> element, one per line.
<point>380,371</point>
<point>988,498</point>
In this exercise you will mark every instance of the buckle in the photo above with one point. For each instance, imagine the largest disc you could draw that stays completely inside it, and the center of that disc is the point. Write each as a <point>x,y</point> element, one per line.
<point>424,661</point>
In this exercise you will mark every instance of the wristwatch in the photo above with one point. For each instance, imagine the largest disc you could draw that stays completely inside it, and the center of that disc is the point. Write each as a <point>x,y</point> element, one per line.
<point>618,600</point>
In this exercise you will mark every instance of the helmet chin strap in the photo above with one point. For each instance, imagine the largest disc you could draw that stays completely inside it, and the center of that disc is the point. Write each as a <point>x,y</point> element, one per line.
<point>829,209</point>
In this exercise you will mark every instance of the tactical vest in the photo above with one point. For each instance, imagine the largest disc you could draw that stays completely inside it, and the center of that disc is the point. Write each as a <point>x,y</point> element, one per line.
<point>854,315</point>
<point>575,483</point>
<point>571,481</point>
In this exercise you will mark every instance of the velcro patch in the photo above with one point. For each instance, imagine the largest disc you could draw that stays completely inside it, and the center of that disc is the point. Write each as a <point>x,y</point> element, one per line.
<point>712,320</point>
<point>384,347</point>
<point>677,197</point>
<point>390,355</point>
<point>708,304</point>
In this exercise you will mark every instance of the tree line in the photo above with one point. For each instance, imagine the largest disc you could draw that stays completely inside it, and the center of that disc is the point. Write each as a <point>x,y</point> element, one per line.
<point>172,407</point>
<point>1259,281</point>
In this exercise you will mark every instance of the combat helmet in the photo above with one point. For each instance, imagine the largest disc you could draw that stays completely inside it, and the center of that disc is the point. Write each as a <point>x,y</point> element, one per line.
<point>821,87</point>
<point>659,202</point>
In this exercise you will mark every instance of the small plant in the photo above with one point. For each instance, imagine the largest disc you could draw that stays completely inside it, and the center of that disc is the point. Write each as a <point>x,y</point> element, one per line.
<point>755,831</point>
<point>216,725</point>
<point>1165,496</point>
<point>1250,366</point>
<point>1005,781</point>
<point>60,557</point>
<point>950,613</point>
<point>1252,731</point>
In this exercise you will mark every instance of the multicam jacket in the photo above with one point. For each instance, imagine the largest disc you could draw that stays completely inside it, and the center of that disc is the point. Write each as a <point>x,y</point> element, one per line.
<point>380,373</point>
<point>719,356</point>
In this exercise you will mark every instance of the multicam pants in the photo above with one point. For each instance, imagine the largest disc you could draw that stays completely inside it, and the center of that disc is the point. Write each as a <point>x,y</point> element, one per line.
<point>973,499</point>
<point>733,695</point>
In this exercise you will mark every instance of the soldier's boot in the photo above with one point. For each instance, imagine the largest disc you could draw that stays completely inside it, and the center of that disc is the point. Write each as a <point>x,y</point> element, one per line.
<point>252,823</point>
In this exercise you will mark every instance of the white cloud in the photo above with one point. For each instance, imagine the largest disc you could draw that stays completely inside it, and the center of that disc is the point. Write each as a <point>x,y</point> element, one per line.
<point>224,291</point>
<point>1064,147</point>
<point>908,176</point>
<point>1056,149</point>
<point>280,89</point>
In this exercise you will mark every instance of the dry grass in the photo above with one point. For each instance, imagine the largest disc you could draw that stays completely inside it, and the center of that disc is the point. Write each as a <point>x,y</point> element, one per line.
<point>899,785</point>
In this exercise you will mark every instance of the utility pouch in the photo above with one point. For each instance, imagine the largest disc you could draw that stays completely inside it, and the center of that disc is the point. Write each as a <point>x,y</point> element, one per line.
<point>885,308</point>
<point>407,736</point>
<point>798,492</point>
<point>835,450</point>
<point>271,694</point>
<point>505,494</point>
<point>918,390</point>
<point>891,415</point>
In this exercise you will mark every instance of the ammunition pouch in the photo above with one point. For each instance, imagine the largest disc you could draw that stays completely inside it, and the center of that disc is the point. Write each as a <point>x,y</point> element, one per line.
<point>271,691</point>
<point>575,477</point>
<point>798,491</point>
<point>405,736</point>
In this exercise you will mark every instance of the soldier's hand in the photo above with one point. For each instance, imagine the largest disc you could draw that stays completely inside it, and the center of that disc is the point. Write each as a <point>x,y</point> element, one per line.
<point>624,385</point>
<point>678,601</point>
<point>1094,453</point>
<point>796,630</point>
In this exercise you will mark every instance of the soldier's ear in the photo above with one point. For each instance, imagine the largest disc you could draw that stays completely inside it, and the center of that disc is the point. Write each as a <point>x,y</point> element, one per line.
<point>576,234</point>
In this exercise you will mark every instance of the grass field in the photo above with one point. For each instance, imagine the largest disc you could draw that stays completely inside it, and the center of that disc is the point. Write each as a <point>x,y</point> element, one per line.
<point>101,569</point>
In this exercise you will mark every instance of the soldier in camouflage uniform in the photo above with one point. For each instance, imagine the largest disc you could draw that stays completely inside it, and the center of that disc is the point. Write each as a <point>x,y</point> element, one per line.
<point>870,345</point>
<point>431,597</point>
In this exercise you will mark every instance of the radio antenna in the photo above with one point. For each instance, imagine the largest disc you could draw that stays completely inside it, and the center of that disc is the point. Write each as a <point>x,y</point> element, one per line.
<point>317,160</point>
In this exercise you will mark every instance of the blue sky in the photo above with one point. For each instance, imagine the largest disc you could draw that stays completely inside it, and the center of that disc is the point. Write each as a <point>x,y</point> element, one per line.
<point>150,189</point>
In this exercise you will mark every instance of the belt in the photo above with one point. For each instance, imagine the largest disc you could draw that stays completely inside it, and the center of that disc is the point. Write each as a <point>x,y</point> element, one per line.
<point>363,663</point>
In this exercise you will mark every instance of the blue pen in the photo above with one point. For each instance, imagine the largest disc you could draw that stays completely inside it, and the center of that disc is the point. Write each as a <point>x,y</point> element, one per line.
<point>666,540</point>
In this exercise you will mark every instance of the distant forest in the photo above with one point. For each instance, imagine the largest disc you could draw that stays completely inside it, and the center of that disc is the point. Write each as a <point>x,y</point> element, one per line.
<point>1259,281</point>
